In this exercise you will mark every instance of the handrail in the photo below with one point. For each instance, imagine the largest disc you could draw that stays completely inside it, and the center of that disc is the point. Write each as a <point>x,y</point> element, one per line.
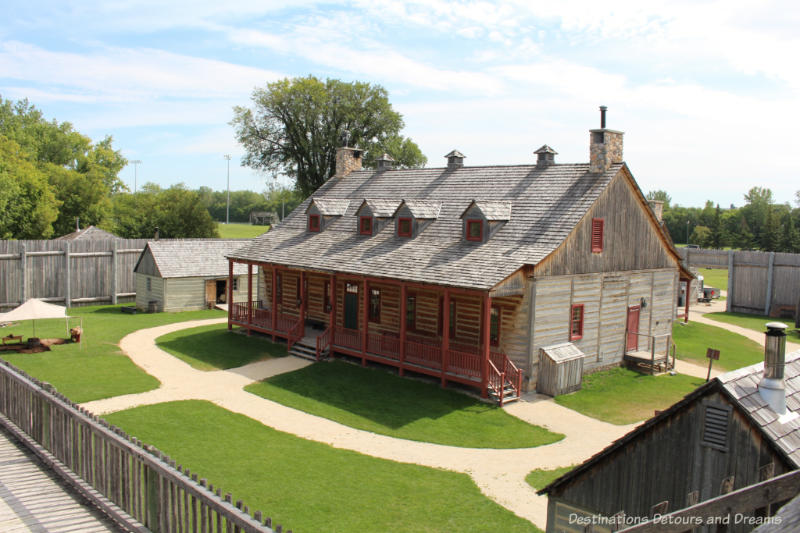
<point>295,333</point>
<point>497,381</point>
<point>324,341</point>
<point>149,484</point>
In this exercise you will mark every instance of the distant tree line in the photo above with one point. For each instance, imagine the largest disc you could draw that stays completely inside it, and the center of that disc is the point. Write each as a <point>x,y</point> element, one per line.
<point>760,224</point>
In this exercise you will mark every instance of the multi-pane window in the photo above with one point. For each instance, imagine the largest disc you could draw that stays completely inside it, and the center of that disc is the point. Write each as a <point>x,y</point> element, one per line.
<point>235,284</point>
<point>576,322</point>
<point>326,297</point>
<point>365,225</point>
<point>375,305</point>
<point>313,222</point>
<point>411,312</point>
<point>597,235</point>
<point>474,230</point>
<point>494,326</point>
<point>404,227</point>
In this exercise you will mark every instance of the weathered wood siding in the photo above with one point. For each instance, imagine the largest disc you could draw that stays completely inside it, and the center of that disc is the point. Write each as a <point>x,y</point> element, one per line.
<point>631,239</point>
<point>146,264</point>
<point>667,463</point>
<point>156,292</point>
<point>390,309</point>
<point>606,298</point>
<point>514,324</point>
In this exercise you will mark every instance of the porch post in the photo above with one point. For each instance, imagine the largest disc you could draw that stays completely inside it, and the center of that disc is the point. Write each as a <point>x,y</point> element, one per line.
<point>403,302</point>
<point>686,303</point>
<point>332,297</point>
<point>365,300</point>
<point>274,299</point>
<point>230,292</point>
<point>303,299</point>
<point>485,332</point>
<point>249,296</point>
<point>445,334</point>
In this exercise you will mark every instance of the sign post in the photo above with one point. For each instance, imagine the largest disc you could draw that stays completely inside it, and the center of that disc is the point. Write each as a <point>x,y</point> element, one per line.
<point>712,355</point>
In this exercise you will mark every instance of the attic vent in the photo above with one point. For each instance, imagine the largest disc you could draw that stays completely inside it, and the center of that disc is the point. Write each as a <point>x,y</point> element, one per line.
<point>715,427</point>
<point>545,156</point>
<point>455,159</point>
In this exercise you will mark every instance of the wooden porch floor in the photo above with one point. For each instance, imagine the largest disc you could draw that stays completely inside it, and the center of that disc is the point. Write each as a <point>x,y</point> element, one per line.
<point>33,499</point>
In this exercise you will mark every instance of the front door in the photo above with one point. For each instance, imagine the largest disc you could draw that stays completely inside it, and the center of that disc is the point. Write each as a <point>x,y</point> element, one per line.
<point>351,306</point>
<point>632,341</point>
<point>211,295</point>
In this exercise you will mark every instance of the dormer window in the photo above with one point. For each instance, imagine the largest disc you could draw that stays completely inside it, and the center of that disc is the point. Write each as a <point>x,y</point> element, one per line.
<point>404,227</point>
<point>313,222</point>
<point>474,229</point>
<point>365,225</point>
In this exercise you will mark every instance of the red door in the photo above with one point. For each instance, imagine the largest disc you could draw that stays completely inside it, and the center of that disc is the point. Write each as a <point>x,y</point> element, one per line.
<point>632,341</point>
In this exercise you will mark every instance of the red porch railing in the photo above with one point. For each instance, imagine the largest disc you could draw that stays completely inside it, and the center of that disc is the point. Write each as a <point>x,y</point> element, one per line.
<point>324,341</point>
<point>503,371</point>
<point>424,353</point>
<point>262,318</point>
<point>384,344</point>
<point>285,322</point>
<point>348,338</point>
<point>239,311</point>
<point>466,363</point>
<point>296,332</point>
<point>497,381</point>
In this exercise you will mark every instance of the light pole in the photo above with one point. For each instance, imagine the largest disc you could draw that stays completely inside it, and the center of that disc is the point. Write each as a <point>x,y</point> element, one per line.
<point>228,206</point>
<point>135,164</point>
<point>687,233</point>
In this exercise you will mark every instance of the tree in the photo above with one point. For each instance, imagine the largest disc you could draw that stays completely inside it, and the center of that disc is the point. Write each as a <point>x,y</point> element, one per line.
<point>790,236</point>
<point>296,125</point>
<point>660,196</point>
<point>701,235</point>
<point>770,231</point>
<point>717,239</point>
<point>28,207</point>
<point>177,213</point>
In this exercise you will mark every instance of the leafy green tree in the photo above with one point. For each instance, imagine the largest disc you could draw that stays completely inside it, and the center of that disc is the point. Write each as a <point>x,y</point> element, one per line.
<point>770,231</point>
<point>717,239</point>
<point>701,235</point>
<point>660,196</point>
<point>296,125</point>
<point>177,213</point>
<point>790,235</point>
<point>28,207</point>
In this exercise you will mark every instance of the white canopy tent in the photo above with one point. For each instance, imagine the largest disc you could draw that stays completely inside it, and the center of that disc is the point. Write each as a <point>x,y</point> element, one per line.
<point>35,309</point>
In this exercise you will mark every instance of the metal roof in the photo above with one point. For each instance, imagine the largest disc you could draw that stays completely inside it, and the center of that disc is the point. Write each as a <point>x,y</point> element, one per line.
<point>548,202</point>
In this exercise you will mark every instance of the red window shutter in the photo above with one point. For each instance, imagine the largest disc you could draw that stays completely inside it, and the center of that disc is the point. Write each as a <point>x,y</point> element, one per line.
<point>597,235</point>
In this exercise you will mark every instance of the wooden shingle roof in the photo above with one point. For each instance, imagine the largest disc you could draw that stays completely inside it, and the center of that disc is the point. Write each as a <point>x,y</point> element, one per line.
<point>548,202</point>
<point>380,207</point>
<point>331,206</point>
<point>491,210</point>
<point>422,209</point>
<point>90,233</point>
<point>195,257</point>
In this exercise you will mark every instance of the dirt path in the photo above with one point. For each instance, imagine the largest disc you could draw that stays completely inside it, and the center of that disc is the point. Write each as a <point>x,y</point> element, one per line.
<point>500,474</point>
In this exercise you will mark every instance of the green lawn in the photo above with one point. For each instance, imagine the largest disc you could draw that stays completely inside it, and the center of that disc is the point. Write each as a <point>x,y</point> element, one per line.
<point>308,486</point>
<point>216,348</point>
<point>540,478</point>
<point>240,231</point>
<point>381,402</point>
<point>715,277</point>
<point>693,339</point>
<point>622,396</point>
<point>756,323</point>
<point>97,369</point>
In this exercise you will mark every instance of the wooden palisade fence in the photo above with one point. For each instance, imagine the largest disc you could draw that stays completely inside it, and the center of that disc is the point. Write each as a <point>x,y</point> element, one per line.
<point>72,272</point>
<point>763,283</point>
<point>135,484</point>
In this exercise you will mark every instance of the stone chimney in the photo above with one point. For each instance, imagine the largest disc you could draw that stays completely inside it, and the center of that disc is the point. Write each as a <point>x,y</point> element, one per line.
<point>347,160</point>
<point>605,146</point>
<point>772,388</point>
<point>384,162</point>
<point>455,159</point>
<point>545,156</point>
<point>658,208</point>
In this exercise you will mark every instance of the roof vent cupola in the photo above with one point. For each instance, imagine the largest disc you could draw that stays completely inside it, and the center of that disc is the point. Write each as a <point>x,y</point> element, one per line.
<point>455,159</point>
<point>545,156</point>
<point>605,146</point>
<point>384,162</point>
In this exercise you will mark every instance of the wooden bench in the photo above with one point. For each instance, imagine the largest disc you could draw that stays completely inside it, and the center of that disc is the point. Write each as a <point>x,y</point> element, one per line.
<point>9,338</point>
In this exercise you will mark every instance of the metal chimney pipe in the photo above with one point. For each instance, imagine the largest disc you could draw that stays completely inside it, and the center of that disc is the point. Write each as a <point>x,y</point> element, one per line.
<point>772,388</point>
<point>156,235</point>
<point>603,116</point>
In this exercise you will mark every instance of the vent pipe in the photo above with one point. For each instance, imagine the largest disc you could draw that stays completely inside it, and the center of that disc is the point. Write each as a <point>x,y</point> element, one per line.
<point>772,388</point>
<point>603,110</point>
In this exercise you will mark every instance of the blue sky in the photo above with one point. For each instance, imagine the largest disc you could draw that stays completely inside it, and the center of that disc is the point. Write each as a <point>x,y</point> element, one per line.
<point>706,92</point>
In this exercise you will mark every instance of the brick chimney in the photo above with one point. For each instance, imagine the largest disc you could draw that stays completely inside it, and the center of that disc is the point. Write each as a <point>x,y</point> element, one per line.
<point>658,208</point>
<point>605,146</point>
<point>347,160</point>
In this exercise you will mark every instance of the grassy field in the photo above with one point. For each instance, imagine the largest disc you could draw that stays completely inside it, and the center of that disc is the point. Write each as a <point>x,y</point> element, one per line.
<point>622,396</point>
<point>756,323</point>
<point>539,479</point>
<point>215,348</point>
<point>309,486</point>
<point>381,402</point>
<point>97,369</point>
<point>693,339</point>
<point>715,277</point>
<point>240,231</point>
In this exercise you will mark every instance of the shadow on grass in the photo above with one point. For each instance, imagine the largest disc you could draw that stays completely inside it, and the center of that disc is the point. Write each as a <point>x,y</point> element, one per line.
<point>376,395</point>
<point>215,348</point>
